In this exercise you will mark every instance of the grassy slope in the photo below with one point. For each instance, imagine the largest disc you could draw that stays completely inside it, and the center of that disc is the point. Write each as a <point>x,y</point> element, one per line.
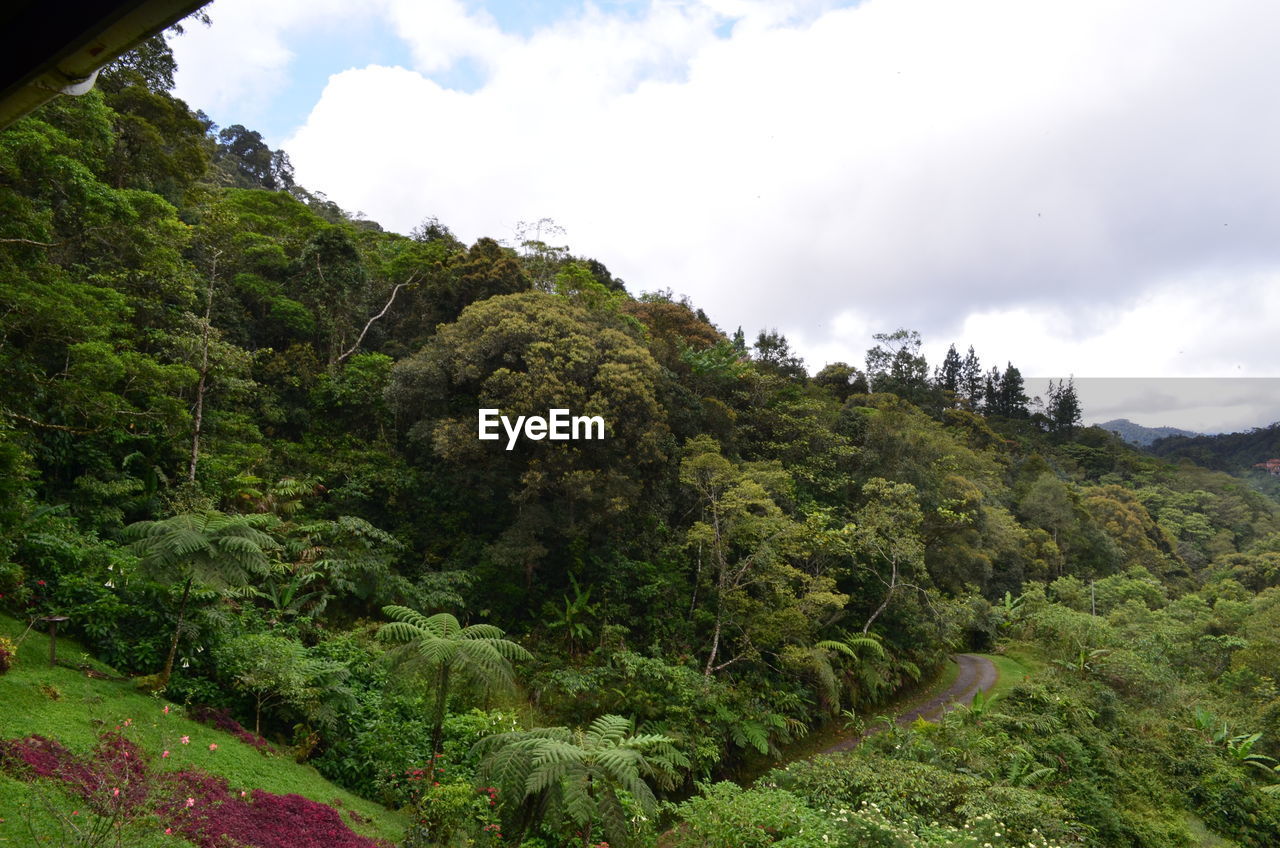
<point>1012,667</point>
<point>85,705</point>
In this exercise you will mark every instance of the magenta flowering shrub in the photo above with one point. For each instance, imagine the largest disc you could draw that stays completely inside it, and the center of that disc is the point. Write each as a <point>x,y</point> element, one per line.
<point>221,719</point>
<point>114,777</point>
<point>116,780</point>
<point>204,811</point>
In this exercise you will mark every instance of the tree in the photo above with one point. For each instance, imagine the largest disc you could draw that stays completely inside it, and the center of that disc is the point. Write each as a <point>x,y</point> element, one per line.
<point>579,775</point>
<point>948,375</point>
<point>212,549</point>
<point>248,162</point>
<point>745,546</point>
<point>276,669</point>
<point>478,653</point>
<point>1064,408</point>
<point>773,354</point>
<point>842,380</point>
<point>896,365</point>
<point>264,666</point>
<point>970,380</point>
<point>1006,394</point>
<point>886,539</point>
<point>525,354</point>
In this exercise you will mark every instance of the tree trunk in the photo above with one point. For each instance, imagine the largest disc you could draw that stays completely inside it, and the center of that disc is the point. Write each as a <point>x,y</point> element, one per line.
<point>893,587</point>
<point>197,415</point>
<point>715,647</point>
<point>173,645</point>
<point>437,730</point>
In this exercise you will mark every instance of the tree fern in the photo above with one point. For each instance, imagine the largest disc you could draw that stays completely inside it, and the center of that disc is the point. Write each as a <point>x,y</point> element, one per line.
<point>577,780</point>
<point>479,653</point>
<point>210,549</point>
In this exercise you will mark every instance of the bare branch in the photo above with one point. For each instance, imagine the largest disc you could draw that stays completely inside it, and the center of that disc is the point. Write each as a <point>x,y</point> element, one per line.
<point>78,430</point>
<point>29,241</point>
<point>413,279</point>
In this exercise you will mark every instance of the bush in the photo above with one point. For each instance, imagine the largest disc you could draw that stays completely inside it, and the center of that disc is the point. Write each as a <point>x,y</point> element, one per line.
<point>8,654</point>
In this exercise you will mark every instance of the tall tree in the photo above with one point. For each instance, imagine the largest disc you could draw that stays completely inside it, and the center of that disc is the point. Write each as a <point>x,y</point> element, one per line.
<point>947,376</point>
<point>970,382</point>
<point>1063,410</point>
<point>896,365</point>
<point>1013,395</point>
<point>773,353</point>
<point>886,539</point>
<point>745,551</point>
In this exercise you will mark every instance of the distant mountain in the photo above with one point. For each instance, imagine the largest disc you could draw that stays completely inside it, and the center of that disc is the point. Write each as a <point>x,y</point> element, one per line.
<point>1136,434</point>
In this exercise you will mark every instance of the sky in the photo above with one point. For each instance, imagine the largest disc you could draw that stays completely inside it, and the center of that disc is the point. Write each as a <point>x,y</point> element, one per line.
<point>1081,187</point>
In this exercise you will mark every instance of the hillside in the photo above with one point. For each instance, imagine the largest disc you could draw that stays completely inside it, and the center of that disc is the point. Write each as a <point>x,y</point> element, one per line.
<point>242,452</point>
<point>1137,434</point>
<point>1232,452</point>
<point>65,705</point>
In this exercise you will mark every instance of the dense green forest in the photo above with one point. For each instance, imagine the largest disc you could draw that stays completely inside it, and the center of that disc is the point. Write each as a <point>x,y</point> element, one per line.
<point>238,452</point>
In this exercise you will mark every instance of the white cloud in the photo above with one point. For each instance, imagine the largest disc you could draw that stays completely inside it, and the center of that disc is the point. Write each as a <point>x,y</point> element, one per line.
<point>1052,181</point>
<point>440,32</point>
<point>240,62</point>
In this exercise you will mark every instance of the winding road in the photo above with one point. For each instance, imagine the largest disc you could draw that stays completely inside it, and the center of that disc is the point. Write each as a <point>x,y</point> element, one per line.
<point>977,674</point>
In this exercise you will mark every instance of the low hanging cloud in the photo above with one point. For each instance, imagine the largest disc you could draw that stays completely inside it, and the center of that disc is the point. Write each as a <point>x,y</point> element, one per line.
<point>1057,174</point>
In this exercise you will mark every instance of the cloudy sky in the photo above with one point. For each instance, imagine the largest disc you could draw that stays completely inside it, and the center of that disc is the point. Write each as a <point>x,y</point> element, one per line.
<point>1087,187</point>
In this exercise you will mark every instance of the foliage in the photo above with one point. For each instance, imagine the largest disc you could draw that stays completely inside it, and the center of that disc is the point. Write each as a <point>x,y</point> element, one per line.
<point>237,422</point>
<point>578,781</point>
<point>477,653</point>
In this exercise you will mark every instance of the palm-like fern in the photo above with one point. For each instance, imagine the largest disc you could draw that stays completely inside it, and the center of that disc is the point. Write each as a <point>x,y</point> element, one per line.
<point>479,653</point>
<point>577,778</point>
<point>823,657</point>
<point>210,548</point>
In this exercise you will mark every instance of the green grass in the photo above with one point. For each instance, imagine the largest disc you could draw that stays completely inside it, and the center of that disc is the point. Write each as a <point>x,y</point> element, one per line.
<point>1012,667</point>
<point>1202,837</point>
<point>63,704</point>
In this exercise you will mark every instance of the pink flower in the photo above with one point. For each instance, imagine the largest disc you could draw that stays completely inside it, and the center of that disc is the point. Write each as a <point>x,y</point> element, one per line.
<point>213,746</point>
<point>128,722</point>
<point>165,755</point>
<point>166,709</point>
<point>186,740</point>
<point>115,793</point>
<point>168,830</point>
<point>191,802</point>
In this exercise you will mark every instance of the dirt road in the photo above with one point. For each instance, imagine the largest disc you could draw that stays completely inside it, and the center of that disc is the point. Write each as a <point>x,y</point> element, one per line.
<point>976,674</point>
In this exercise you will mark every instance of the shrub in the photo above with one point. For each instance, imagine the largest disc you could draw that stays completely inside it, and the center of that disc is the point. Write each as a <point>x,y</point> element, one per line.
<point>221,719</point>
<point>8,654</point>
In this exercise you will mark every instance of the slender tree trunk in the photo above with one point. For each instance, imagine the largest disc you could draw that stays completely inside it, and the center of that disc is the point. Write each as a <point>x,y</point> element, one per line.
<point>715,647</point>
<point>198,413</point>
<point>586,831</point>
<point>722,568</point>
<point>437,730</point>
<point>893,587</point>
<point>173,645</point>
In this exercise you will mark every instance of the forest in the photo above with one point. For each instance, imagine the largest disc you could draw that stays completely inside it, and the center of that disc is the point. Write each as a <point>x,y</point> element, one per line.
<point>239,462</point>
